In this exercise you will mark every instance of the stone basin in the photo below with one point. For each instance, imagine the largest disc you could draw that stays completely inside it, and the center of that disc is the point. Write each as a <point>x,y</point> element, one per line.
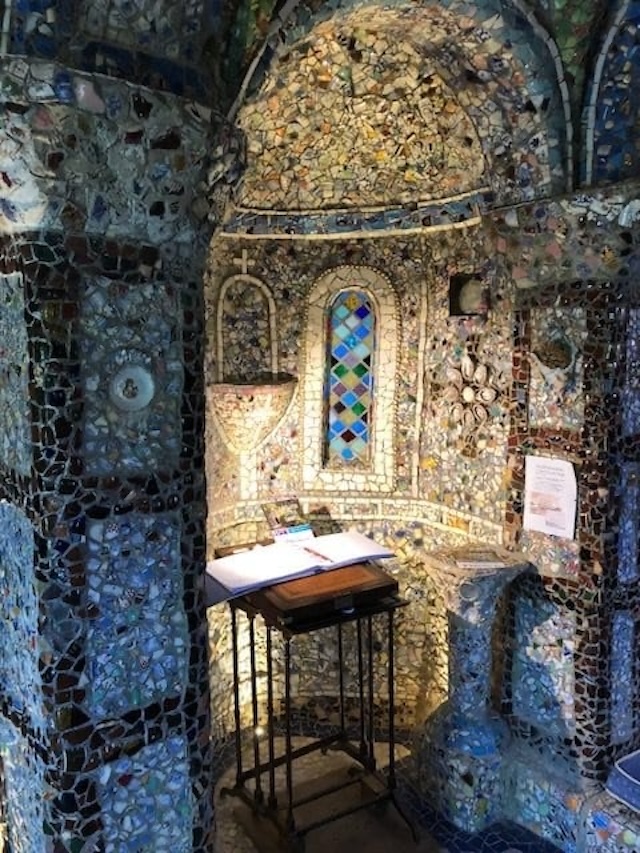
<point>246,413</point>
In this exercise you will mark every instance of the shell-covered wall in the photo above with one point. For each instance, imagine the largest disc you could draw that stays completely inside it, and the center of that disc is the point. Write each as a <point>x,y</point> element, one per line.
<point>539,363</point>
<point>111,113</point>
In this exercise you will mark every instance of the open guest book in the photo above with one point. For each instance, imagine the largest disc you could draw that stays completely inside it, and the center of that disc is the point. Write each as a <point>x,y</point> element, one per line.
<point>250,569</point>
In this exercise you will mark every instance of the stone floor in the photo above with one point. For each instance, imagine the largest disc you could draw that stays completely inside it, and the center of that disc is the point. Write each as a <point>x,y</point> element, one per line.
<point>376,829</point>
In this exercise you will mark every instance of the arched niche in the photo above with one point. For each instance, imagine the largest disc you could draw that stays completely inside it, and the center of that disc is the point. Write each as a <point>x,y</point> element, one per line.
<point>613,108</point>
<point>248,396</point>
<point>501,107</point>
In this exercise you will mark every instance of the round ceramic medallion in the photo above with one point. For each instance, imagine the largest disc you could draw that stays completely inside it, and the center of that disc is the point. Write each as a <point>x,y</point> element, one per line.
<point>132,388</point>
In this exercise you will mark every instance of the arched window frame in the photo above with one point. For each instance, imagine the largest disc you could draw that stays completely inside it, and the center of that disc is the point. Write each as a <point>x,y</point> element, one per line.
<point>380,475</point>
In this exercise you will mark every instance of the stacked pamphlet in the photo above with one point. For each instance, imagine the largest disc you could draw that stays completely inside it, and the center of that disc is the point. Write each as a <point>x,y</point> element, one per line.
<point>286,520</point>
<point>479,558</point>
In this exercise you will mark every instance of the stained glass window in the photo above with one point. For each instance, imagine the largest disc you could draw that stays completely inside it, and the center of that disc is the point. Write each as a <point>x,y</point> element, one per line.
<point>349,382</point>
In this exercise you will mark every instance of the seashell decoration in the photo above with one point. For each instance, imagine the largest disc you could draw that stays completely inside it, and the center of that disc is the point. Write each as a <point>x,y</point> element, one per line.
<point>465,394</point>
<point>451,393</point>
<point>480,374</point>
<point>457,412</point>
<point>467,367</point>
<point>487,394</point>
<point>454,377</point>
<point>480,413</point>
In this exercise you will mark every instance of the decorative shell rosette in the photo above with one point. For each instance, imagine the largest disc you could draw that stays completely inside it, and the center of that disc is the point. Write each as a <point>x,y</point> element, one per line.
<point>466,394</point>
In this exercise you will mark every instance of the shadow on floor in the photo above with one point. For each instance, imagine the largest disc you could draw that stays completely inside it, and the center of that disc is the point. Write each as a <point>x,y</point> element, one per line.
<point>380,828</point>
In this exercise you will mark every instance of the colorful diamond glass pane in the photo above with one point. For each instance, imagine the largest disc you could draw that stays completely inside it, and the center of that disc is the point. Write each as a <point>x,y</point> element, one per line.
<point>349,379</point>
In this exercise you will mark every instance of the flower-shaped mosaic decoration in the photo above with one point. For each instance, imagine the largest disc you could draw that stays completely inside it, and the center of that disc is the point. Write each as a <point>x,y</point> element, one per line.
<point>466,395</point>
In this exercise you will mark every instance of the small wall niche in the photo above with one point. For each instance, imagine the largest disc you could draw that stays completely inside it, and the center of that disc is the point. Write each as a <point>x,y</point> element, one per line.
<point>468,295</point>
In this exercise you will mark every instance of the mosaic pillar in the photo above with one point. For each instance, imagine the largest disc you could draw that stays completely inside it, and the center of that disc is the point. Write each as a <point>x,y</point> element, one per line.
<point>571,690</point>
<point>104,711</point>
<point>464,741</point>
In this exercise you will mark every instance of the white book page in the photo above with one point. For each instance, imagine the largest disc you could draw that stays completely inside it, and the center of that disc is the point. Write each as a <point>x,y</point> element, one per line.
<point>349,546</point>
<point>262,566</point>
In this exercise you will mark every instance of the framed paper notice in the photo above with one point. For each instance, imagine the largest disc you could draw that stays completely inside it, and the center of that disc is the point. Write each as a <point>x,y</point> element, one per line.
<point>550,496</point>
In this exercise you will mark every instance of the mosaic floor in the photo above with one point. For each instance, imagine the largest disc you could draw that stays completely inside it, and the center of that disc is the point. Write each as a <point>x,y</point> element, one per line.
<point>371,830</point>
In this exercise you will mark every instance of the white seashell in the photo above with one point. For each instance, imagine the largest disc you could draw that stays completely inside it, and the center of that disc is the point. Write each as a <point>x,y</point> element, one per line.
<point>467,367</point>
<point>480,413</point>
<point>487,395</point>
<point>468,394</point>
<point>480,374</point>
<point>451,394</point>
<point>457,412</point>
<point>454,377</point>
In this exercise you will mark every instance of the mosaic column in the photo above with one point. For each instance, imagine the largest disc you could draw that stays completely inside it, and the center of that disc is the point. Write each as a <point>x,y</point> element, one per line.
<point>104,723</point>
<point>464,740</point>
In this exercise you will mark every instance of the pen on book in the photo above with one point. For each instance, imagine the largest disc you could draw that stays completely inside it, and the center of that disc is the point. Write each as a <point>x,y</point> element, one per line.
<point>314,553</point>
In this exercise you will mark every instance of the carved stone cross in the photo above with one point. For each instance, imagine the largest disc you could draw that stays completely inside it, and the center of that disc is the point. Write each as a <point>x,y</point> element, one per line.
<point>243,262</point>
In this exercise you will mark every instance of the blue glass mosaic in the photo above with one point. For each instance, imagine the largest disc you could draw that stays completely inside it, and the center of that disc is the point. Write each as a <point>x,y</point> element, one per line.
<point>623,636</point>
<point>631,388</point>
<point>628,568</point>
<point>546,805</point>
<point>23,773</point>
<point>615,145</point>
<point>542,676</point>
<point>19,646</point>
<point>146,800</point>
<point>133,376</point>
<point>138,624</point>
<point>423,217</point>
<point>501,837</point>
<point>15,434</point>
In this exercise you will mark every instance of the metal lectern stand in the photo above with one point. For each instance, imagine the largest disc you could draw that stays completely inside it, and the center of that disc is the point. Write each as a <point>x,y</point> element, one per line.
<point>328,601</point>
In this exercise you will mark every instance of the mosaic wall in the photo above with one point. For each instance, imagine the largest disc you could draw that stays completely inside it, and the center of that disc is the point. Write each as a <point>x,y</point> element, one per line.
<point>130,344</point>
<point>134,42</point>
<point>542,671</point>
<point>23,791</point>
<point>101,186</point>
<point>451,144</point>
<point>628,568</point>
<point>152,29</point>
<point>104,632</point>
<point>245,302</point>
<point>146,800</point>
<point>555,389</point>
<point>104,647</point>
<point>615,144</point>
<point>89,154</point>
<point>19,630</point>
<point>608,828</point>
<point>138,625</point>
<point>548,805</point>
<point>364,164</point>
<point>14,392</point>
<point>623,646</point>
<point>465,472</point>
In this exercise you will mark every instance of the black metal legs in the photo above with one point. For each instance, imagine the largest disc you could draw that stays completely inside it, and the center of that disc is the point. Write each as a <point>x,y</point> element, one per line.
<point>371,786</point>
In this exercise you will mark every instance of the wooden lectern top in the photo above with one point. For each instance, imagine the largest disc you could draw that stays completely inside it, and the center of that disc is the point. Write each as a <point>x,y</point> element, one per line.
<point>318,596</point>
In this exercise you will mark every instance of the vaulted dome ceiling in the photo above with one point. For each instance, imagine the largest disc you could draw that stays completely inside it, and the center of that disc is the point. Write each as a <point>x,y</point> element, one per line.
<point>388,106</point>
